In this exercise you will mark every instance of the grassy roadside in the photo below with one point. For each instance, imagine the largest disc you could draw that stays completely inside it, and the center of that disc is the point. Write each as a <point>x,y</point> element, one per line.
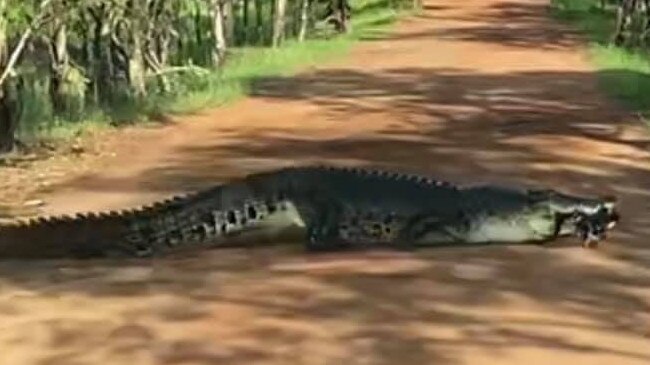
<point>623,73</point>
<point>199,91</point>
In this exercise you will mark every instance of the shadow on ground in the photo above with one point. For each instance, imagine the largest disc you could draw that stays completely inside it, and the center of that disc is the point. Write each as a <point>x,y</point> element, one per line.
<point>509,24</point>
<point>240,306</point>
<point>516,128</point>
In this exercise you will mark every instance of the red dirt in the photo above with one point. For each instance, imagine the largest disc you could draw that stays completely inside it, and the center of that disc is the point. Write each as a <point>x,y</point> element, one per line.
<point>487,90</point>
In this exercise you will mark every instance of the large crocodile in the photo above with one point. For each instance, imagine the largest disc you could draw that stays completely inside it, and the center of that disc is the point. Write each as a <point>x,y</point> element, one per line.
<point>335,207</point>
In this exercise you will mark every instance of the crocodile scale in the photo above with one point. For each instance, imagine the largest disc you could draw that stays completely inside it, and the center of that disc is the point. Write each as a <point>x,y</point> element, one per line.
<point>336,207</point>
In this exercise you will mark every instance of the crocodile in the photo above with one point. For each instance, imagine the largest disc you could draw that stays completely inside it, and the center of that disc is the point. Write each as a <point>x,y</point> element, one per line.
<point>332,207</point>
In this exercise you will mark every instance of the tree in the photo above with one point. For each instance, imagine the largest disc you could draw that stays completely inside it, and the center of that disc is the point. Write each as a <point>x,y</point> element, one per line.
<point>6,109</point>
<point>67,83</point>
<point>229,20</point>
<point>218,32</point>
<point>632,23</point>
<point>69,58</point>
<point>338,13</point>
<point>279,22</point>
<point>10,83</point>
<point>304,19</point>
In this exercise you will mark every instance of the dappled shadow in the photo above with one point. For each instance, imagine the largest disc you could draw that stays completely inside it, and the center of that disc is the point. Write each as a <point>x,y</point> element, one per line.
<point>444,306</point>
<point>503,126</point>
<point>513,24</point>
<point>528,128</point>
<point>380,307</point>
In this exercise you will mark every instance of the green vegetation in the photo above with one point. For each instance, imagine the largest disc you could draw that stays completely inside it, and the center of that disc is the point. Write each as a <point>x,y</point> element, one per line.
<point>193,54</point>
<point>234,80</point>
<point>624,71</point>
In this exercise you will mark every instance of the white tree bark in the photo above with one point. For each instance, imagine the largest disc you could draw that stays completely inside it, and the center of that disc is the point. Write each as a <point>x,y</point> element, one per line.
<point>278,22</point>
<point>304,20</point>
<point>218,32</point>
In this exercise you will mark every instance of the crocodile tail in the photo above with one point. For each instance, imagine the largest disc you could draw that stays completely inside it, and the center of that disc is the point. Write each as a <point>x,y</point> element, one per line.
<point>146,231</point>
<point>213,216</point>
<point>81,236</point>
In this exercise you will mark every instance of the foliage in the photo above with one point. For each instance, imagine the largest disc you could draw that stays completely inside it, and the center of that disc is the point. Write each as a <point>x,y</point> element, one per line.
<point>624,66</point>
<point>118,61</point>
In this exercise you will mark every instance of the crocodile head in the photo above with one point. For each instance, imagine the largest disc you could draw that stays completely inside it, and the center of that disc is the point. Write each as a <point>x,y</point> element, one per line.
<point>592,227</point>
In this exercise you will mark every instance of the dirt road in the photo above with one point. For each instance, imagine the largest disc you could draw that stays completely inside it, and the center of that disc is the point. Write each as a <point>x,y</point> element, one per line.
<point>475,90</point>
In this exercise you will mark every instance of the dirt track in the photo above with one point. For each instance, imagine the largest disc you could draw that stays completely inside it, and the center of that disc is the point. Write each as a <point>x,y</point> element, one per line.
<point>470,90</point>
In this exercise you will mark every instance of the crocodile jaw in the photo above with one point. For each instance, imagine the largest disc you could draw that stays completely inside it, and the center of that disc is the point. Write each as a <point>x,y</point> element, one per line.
<point>508,229</point>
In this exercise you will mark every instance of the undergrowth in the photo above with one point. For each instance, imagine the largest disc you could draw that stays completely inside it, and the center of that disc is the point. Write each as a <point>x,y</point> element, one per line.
<point>623,72</point>
<point>194,91</point>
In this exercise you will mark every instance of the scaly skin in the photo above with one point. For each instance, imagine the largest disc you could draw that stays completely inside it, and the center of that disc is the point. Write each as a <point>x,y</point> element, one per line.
<point>337,207</point>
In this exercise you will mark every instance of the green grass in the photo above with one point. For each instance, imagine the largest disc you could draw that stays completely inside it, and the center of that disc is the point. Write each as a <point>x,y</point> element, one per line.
<point>624,73</point>
<point>247,65</point>
<point>193,91</point>
<point>373,17</point>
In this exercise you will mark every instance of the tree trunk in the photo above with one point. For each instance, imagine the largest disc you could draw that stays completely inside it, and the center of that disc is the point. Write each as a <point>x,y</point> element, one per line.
<point>279,22</point>
<point>100,77</point>
<point>338,13</point>
<point>259,22</point>
<point>344,16</point>
<point>218,32</point>
<point>246,21</point>
<point>229,21</point>
<point>646,24</point>
<point>136,69</point>
<point>59,65</point>
<point>136,65</point>
<point>623,18</point>
<point>304,20</point>
<point>8,117</point>
<point>158,38</point>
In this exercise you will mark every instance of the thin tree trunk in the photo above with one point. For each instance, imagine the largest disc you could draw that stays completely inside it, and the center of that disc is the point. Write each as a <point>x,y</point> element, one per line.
<point>94,17</point>
<point>219,47</point>
<point>259,21</point>
<point>158,37</point>
<point>344,15</point>
<point>229,21</point>
<point>6,111</point>
<point>279,22</point>
<point>59,65</point>
<point>623,16</point>
<point>137,69</point>
<point>198,29</point>
<point>10,87</point>
<point>304,20</point>
<point>246,21</point>
<point>9,114</point>
<point>136,65</point>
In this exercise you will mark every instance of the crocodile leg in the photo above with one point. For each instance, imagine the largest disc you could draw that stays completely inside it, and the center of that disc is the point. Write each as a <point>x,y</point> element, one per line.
<point>323,227</point>
<point>432,230</point>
